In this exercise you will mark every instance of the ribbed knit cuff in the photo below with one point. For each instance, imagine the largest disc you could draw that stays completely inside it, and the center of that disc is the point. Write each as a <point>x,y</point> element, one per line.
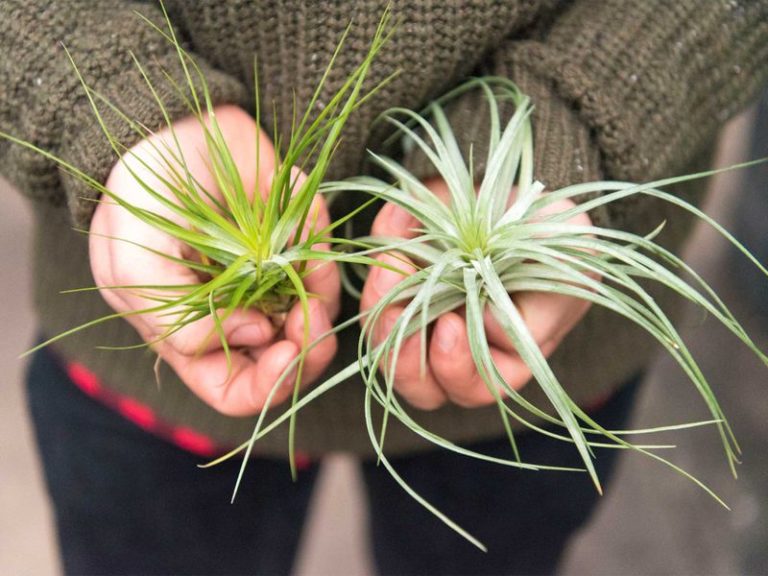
<point>88,148</point>
<point>563,149</point>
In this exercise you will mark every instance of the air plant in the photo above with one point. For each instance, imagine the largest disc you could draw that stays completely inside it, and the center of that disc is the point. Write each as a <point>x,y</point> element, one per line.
<point>481,247</point>
<point>249,251</point>
<point>473,253</point>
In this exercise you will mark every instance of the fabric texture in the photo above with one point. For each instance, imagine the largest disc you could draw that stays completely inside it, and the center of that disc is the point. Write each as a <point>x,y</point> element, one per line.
<point>173,518</point>
<point>149,509</point>
<point>621,90</point>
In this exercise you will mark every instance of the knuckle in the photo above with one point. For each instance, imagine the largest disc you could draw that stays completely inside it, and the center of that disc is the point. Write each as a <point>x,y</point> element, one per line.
<point>474,400</point>
<point>234,116</point>
<point>221,405</point>
<point>322,354</point>
<point>333,307</point>
<point>112,299</point>
<point>102,274</point>
<point>320,211</point>
<point>426,403</point>
<point>121,276</point>
<point>321,272</point>
<point>144,332</point>
<point>184,343</point>
<point>548,347</point>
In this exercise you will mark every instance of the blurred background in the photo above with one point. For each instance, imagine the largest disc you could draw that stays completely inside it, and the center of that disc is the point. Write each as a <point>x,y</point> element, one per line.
<point>652,521</point>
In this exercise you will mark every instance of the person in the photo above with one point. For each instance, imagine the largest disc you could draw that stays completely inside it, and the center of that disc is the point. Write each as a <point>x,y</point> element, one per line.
<point>630,91</point>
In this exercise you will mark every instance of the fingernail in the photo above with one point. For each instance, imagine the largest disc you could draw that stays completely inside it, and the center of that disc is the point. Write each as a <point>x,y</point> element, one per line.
<point>447,337</point>
<point>247,334</point>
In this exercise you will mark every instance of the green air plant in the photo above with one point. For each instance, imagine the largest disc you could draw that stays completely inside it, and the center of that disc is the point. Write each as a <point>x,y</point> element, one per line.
<point>480,248</point>
<point>248,251</point>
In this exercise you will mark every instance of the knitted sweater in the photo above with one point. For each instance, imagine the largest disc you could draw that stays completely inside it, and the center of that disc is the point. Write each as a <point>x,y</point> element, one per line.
<point>625,90</point>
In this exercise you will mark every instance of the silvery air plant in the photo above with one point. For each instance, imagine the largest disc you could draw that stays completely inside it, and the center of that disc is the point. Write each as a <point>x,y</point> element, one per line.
<point>483,245</point>
<point>473,252</point>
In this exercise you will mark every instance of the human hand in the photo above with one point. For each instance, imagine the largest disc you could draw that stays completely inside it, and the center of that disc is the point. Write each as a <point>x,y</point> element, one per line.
<point>450,373</point>
<point>260,351</point>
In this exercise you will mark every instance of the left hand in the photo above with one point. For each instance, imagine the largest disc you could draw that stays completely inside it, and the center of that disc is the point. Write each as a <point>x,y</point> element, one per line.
<point>261,352</point>
<point>451,374</point>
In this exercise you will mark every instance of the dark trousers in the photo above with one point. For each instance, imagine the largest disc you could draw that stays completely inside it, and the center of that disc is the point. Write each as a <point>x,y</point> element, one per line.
<point>127,502</point>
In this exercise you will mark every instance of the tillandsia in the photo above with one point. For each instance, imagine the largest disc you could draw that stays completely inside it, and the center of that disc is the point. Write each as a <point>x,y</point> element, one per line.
<point>475,248</point>
<point>484,243</point>
<point>246,248</point>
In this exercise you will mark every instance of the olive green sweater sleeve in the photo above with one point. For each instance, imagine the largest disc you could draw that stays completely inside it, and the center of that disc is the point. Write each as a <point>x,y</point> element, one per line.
<point>42,101</point>
<point>632,90</point>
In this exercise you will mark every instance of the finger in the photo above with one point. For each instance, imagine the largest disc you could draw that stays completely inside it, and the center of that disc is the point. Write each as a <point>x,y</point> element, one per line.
<point>513,371</point>
<point>246,142</point>
<point>228,388</point>
<point>142,167</point>
<point>457,373</point>
<point>512,196</point>
<point>323,281</point>
<point>541,316</point>
<point>321,354</point>
<point>394,221</point>
<point>271,374</point>
<point>274,360</point>
<point>559,206</point>
<point>240,329</point>
<point>417,386</point>
<point>439,188</point>
<point>322,277</point>
<point>381,280</point>
<point>453,366</point>
<point>317,214</point>
<point>246,328</point>
<point>318,217</point>
<point>514,374</point>
<point>495,334</point>
<point>550,317</point>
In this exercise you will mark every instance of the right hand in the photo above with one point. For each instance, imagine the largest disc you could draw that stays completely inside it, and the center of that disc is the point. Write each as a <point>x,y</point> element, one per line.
<point>260,351</point>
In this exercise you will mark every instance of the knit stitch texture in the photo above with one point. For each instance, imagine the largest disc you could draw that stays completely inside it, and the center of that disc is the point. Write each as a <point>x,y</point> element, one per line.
<point>625,90</point>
